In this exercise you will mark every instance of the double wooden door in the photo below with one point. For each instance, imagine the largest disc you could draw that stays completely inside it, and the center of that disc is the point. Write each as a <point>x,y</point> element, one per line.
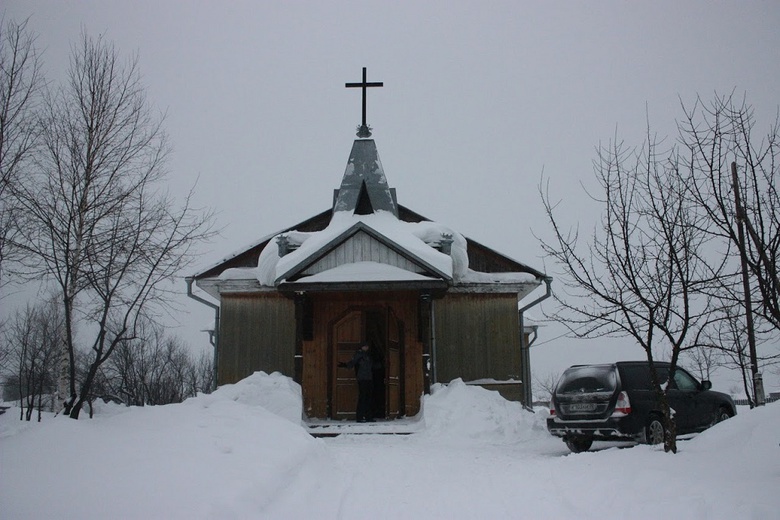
<point>381,329</point>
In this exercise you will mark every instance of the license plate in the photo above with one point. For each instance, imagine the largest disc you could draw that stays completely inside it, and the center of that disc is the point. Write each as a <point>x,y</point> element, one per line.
<point>582,407</point>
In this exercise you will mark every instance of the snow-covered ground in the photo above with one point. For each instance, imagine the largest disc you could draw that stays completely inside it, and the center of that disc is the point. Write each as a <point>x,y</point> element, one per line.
<point>242,453</point>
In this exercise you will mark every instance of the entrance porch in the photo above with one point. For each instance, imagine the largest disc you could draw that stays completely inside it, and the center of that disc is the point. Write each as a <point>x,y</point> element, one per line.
<point>332,327</point>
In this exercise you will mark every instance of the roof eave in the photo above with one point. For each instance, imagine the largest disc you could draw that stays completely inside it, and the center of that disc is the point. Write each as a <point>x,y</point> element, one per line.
<point>522,289</point>
<point>395,285</point>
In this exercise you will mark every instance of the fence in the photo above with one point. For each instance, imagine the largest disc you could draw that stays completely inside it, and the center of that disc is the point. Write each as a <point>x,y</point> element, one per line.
<point>745,402</point>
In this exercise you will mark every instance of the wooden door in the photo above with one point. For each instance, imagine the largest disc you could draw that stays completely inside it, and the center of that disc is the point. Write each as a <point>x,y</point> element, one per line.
<point>347,338</point>
<point>394,369</point>
<point>384,331</point>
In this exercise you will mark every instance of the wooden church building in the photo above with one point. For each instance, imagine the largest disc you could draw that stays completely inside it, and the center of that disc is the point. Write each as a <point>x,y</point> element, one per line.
<point>432,304</point>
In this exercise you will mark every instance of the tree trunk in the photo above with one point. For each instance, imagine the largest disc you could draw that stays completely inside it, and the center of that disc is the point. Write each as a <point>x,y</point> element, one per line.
<point>670,434</point>
<point>68,367</point>
<point>670,426</point>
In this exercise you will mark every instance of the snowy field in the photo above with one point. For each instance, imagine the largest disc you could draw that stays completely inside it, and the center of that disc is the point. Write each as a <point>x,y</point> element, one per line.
<point>241,453</point>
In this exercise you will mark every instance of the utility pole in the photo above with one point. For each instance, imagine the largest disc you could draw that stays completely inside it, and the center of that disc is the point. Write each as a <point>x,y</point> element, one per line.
<point>758,384</point>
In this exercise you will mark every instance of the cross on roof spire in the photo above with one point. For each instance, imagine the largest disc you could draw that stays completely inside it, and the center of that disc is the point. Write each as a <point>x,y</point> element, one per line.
<point>364,130</point>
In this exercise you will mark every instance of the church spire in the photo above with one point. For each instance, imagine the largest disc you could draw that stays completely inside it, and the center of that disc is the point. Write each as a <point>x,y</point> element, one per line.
<point>364,130</point>
<point>364,187</point>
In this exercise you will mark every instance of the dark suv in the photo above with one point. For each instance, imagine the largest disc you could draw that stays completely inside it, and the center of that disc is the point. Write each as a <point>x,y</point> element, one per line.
<point>617,402</point>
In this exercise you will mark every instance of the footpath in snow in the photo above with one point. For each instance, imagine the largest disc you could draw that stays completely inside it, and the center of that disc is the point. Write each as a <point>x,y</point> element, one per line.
<point>242,453</point>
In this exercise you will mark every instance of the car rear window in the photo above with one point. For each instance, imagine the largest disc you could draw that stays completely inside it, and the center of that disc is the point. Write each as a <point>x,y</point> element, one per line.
<point>587,379</point>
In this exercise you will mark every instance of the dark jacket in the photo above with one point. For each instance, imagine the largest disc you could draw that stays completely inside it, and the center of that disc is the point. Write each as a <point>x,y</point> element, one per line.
<point>363,366</point>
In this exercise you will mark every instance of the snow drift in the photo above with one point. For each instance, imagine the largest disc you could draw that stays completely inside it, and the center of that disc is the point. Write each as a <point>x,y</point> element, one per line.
<point>241,452</point>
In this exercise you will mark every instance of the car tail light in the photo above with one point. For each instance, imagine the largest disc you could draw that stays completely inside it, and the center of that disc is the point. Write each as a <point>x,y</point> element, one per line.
<point>622,406</point>
<point>552,411</point>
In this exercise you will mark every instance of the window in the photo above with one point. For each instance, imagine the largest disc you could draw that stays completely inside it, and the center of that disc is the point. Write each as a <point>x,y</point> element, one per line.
<point>307,320</point>
<point>587,379</point>
<point>684,381</point>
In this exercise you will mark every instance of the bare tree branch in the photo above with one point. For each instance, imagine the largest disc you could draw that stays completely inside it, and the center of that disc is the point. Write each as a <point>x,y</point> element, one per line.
<point>97,219</point>
<point>21,83</point>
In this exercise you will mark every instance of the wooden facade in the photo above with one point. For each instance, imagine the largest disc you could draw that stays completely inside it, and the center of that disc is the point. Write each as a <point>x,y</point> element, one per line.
<point>425,321</point>
<point>257,332</point>
<point>477,339</point>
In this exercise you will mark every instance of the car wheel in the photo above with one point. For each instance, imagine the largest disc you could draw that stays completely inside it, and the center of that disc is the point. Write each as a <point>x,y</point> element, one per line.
<point>723,414</point>
<point>655,430</point>
<point>578,444</point>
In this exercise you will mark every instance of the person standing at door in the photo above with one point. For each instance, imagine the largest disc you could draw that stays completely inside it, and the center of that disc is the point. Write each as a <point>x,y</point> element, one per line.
<point>364,373</point>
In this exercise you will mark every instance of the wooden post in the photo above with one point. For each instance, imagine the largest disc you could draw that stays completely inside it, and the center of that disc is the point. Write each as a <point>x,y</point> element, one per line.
<point>741,217</point>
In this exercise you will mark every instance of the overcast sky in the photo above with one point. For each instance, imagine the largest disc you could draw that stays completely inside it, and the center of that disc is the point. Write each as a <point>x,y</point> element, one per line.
<point>479,99</point>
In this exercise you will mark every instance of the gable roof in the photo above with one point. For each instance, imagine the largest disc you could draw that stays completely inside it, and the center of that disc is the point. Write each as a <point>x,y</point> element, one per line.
<point>480,257</point>
<point>427,260</point>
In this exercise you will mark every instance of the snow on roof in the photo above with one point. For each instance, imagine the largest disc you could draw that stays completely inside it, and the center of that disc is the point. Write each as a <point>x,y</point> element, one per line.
<point>476,276</point>
<point>234,254</point>
<point>239,273</point>
<point>414,237</point>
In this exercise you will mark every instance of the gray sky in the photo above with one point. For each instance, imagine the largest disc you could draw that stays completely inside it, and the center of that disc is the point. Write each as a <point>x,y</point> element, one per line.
<point>479,99</point>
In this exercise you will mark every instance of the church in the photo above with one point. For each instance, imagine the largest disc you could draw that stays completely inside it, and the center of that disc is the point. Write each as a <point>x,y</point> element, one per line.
<point>432,304</point>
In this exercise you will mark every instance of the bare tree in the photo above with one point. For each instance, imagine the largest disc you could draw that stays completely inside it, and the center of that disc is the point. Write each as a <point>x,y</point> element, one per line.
<point>544,386</point>
<point>147,370</point>
<point>705,360</point>
<point>714,136</point>
<point>728,344</point>
<point>33,340</point>
<point>200,379</point>
<point>154,369</point>
<point>20,87</point>
<point>643,273</point>
<point>97,219</point>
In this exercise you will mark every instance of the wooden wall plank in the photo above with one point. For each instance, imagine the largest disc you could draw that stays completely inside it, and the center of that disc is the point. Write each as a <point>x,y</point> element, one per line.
<point>477,337</point>
<point>257,332</point>
<point>361,248</point>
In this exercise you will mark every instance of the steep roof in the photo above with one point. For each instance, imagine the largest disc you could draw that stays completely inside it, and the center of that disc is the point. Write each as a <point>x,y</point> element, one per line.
<point>364,189</point>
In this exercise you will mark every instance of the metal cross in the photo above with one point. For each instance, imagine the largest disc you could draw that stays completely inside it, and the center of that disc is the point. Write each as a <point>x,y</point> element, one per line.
<point>364,130</point>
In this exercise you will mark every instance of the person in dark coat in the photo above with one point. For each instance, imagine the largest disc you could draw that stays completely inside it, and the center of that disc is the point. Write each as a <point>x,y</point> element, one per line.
<point>364,373</point>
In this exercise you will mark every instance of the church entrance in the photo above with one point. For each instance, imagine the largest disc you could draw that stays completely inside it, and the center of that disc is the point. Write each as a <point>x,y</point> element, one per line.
<point>380,329</point>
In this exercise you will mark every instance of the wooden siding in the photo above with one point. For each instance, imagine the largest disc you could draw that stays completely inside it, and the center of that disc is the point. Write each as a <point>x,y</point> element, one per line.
<point>510,392</point>
<point>362,248</point>
<point>257,332</point>
<point>477,337</point>
<point>486,260</point>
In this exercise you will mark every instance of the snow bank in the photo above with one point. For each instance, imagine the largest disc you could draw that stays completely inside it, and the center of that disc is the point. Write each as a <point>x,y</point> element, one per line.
<point>275,393</point>
<point>231,454</point>
<point>241,453</point>
<point>472,413</point>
